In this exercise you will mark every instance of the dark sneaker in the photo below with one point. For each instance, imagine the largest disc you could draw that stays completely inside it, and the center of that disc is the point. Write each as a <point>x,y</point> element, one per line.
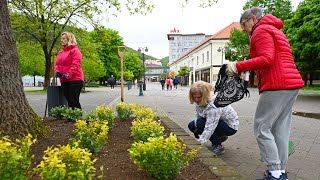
<point>223,138</point>
<point>268,176</point>
<point>218,150</point>
<point>285,176</point>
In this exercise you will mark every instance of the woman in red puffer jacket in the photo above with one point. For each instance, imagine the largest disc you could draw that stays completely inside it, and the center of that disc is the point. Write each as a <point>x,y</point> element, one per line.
<point>279,82</point>
<point>68,68</point>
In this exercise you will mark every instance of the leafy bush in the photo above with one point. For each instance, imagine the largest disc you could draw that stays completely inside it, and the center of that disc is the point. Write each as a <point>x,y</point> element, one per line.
<point>144,113</point>
<point>105,114</point>
<point>142,130</point>
<point>123,110</point>
<point>57,112</point>
<point>90,135</point>
<point>92,116</point>
<point>65,162</point>
<point>15,157</point>
<point>72,114</point>
<point>161,158</point>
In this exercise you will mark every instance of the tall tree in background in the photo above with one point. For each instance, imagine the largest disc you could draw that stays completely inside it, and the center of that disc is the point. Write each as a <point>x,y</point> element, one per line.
<point>133,64</point>
<point>303,32</point>
<point>109,41</point>
<point>16,116</point>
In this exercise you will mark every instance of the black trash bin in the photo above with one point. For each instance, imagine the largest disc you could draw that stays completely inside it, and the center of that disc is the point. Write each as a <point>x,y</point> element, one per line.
<point>129,83</point>
<point>55,97</point>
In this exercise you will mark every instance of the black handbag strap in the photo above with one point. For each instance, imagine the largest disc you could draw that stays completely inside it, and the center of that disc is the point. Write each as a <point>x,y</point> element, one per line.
<point>221,77</point>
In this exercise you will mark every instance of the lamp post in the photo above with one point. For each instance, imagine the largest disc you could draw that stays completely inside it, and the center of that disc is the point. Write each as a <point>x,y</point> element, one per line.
<point>121,53</point>
<point>143,50</point>
<point>222,50</point>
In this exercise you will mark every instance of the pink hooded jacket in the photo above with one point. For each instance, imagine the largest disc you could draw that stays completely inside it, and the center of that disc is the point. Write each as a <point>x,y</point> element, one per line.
<point>69,62</point>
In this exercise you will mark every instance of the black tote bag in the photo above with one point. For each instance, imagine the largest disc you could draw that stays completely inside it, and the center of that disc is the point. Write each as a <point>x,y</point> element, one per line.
<point>229,89</point>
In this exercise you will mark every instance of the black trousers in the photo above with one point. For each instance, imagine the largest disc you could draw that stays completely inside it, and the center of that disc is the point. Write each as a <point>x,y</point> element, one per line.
<point>71,91</point>
<point>222,129</point>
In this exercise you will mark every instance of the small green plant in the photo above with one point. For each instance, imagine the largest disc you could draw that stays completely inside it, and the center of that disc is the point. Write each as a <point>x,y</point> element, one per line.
<point>15,157</point>
<point>57,112</point>
<point>145,113</point>
<point>105,114</point>
<point>92,116</point>
<point>90,135</point>
<point>72,114</point>
<point>142,130</point>
<point>123,110</point>
<point>66,162</point>
<point>162,158</point>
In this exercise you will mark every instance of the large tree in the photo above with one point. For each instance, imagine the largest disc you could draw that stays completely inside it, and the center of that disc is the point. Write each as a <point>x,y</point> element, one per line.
<point>16,116</point>
<point>45,20</point>
<point>303,32</point>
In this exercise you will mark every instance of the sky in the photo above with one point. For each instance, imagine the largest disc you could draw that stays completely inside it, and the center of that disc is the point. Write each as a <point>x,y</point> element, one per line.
<point>151,30</point>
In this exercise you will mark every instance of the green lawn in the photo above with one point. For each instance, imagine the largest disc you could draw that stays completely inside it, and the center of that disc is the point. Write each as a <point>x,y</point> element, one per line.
<point>41,91</point>
<point>311,88</point>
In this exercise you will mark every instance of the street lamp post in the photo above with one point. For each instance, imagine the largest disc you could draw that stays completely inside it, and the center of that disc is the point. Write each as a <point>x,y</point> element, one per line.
<point>143,50</point>
<point>222,50</point>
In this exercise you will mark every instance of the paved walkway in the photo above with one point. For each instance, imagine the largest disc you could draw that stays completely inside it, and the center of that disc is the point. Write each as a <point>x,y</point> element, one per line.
<point>241,149</point>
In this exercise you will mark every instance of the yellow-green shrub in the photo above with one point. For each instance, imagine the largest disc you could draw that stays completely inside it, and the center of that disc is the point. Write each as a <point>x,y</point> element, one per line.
<point>144,113</point>
<point>123,110</point>
<point>90,135</point>
<point>65,162</point>
<point>142,130</point>
<point>15,157</point>
<point>134,107</point>
<point>105,114</point>
<point>162,158</point>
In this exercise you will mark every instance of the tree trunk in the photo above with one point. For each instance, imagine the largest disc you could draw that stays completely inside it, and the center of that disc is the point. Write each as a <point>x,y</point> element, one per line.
<point>16,116</point>
<point>47,69</point>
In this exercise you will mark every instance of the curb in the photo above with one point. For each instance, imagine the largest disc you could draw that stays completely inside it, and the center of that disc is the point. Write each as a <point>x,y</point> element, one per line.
<point>306,114</point>
<point>217,166</point>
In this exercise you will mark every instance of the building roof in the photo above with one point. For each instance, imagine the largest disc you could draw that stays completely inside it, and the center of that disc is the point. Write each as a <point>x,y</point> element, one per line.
<point>222,34</point>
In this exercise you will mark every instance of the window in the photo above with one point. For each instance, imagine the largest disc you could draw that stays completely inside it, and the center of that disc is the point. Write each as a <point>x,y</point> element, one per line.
<point>173,50</point>
<point>202,58</point>
<point>207,56</point>
<point>197,60</point>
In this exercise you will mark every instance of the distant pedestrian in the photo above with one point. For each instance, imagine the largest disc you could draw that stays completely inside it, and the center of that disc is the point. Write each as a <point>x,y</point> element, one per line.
<point>162,82</point>
<point>176,81</point>
<point>112,81</point>
<point>171,83</point>
<point>212,125</point>
<point>168,82</point>
<point>278,82</point>
<point>69,70</point>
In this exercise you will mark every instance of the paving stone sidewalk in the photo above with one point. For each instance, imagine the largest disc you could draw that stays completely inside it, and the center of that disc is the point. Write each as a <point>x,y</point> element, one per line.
<point>242,152</point>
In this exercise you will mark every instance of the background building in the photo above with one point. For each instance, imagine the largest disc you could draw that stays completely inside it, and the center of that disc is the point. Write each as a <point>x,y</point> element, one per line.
<point>180,44</point>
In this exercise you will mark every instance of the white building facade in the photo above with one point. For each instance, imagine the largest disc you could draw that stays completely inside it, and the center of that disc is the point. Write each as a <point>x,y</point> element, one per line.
<point>206,58</point>
<point>180,44</point>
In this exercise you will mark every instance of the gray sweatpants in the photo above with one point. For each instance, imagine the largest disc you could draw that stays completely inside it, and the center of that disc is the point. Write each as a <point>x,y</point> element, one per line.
<point>272,125</point>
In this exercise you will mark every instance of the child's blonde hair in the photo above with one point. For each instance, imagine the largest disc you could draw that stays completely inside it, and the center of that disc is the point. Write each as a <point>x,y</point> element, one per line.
<point>203,88</point>
<point>71,38</point>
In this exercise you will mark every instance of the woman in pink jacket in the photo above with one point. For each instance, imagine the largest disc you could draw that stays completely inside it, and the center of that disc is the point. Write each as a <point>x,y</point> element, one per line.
<point>279,82</point>
<point>68,68</point>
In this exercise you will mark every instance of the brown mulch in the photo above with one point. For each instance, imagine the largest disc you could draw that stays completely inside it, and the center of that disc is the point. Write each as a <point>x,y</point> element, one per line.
<point>114,156</point>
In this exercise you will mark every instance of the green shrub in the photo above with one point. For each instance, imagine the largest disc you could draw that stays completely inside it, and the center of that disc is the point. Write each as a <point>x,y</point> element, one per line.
<point>105,114</point>
<point>72,114</point>
<point>90,135</point>
<point>123,110</point>
<point>161,158</point>
<point>144,113</point>
<point>92,116</point>
<point>15,157</point>
<point>142,130</point>
<point>57,112</point>
<point>65,162</point>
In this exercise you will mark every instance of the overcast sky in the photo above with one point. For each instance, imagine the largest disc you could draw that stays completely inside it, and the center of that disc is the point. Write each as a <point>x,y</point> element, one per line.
<point>151,30</point>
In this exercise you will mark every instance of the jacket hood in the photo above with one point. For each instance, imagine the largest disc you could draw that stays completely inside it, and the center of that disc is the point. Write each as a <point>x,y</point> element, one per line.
<point>269,19</point>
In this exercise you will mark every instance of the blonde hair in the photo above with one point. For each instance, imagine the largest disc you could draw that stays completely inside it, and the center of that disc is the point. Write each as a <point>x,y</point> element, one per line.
<point>203,88</point>
<point>71,38</point>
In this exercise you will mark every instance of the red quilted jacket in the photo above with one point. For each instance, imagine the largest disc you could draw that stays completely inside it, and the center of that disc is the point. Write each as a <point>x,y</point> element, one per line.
<point>69,62</point>
<point>271,57</point>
